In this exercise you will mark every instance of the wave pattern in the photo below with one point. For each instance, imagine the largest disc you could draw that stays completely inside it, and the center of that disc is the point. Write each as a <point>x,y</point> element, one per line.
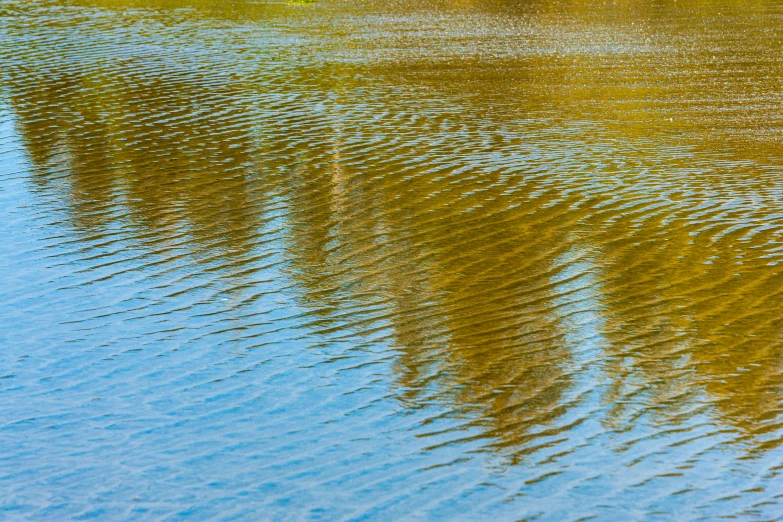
<point>475,260</point>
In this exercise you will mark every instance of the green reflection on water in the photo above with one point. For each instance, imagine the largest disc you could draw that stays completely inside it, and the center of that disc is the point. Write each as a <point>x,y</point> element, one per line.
<point>534,203</point>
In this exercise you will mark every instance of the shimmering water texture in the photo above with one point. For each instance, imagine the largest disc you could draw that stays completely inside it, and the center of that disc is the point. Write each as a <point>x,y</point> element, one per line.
<point>449,260</point>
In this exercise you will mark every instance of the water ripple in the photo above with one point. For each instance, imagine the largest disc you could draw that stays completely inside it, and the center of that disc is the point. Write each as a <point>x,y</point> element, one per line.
<point>375,260</point>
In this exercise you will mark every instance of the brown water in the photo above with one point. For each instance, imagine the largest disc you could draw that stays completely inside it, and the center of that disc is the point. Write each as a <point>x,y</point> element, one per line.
<point>387,260</point>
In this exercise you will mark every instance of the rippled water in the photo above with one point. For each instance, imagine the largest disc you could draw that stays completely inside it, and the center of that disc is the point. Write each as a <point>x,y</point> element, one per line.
<point>387,260</point>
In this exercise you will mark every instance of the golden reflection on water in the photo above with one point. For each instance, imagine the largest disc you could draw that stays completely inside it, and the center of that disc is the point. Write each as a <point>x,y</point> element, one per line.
<point>532,203</point>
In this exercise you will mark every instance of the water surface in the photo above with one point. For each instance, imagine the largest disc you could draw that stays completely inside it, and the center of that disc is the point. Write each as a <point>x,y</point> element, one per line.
<point>390,260</point>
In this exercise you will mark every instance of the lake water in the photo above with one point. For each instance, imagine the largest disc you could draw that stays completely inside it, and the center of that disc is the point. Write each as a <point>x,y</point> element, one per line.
<point>389,260</point>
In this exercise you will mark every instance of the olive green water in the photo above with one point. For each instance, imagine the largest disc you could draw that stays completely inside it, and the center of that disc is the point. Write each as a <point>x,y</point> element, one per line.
<point>476,260</point>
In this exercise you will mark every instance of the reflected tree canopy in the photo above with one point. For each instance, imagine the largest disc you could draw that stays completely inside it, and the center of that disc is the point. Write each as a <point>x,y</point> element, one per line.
<point>517,253</point>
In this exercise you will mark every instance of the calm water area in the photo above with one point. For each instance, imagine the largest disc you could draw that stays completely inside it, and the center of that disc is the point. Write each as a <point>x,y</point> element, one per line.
<point>391,260</point>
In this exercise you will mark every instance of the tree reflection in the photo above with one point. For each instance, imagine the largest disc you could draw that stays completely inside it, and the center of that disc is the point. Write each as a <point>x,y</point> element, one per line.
<point>166,149</point>
<point>503,260</point>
